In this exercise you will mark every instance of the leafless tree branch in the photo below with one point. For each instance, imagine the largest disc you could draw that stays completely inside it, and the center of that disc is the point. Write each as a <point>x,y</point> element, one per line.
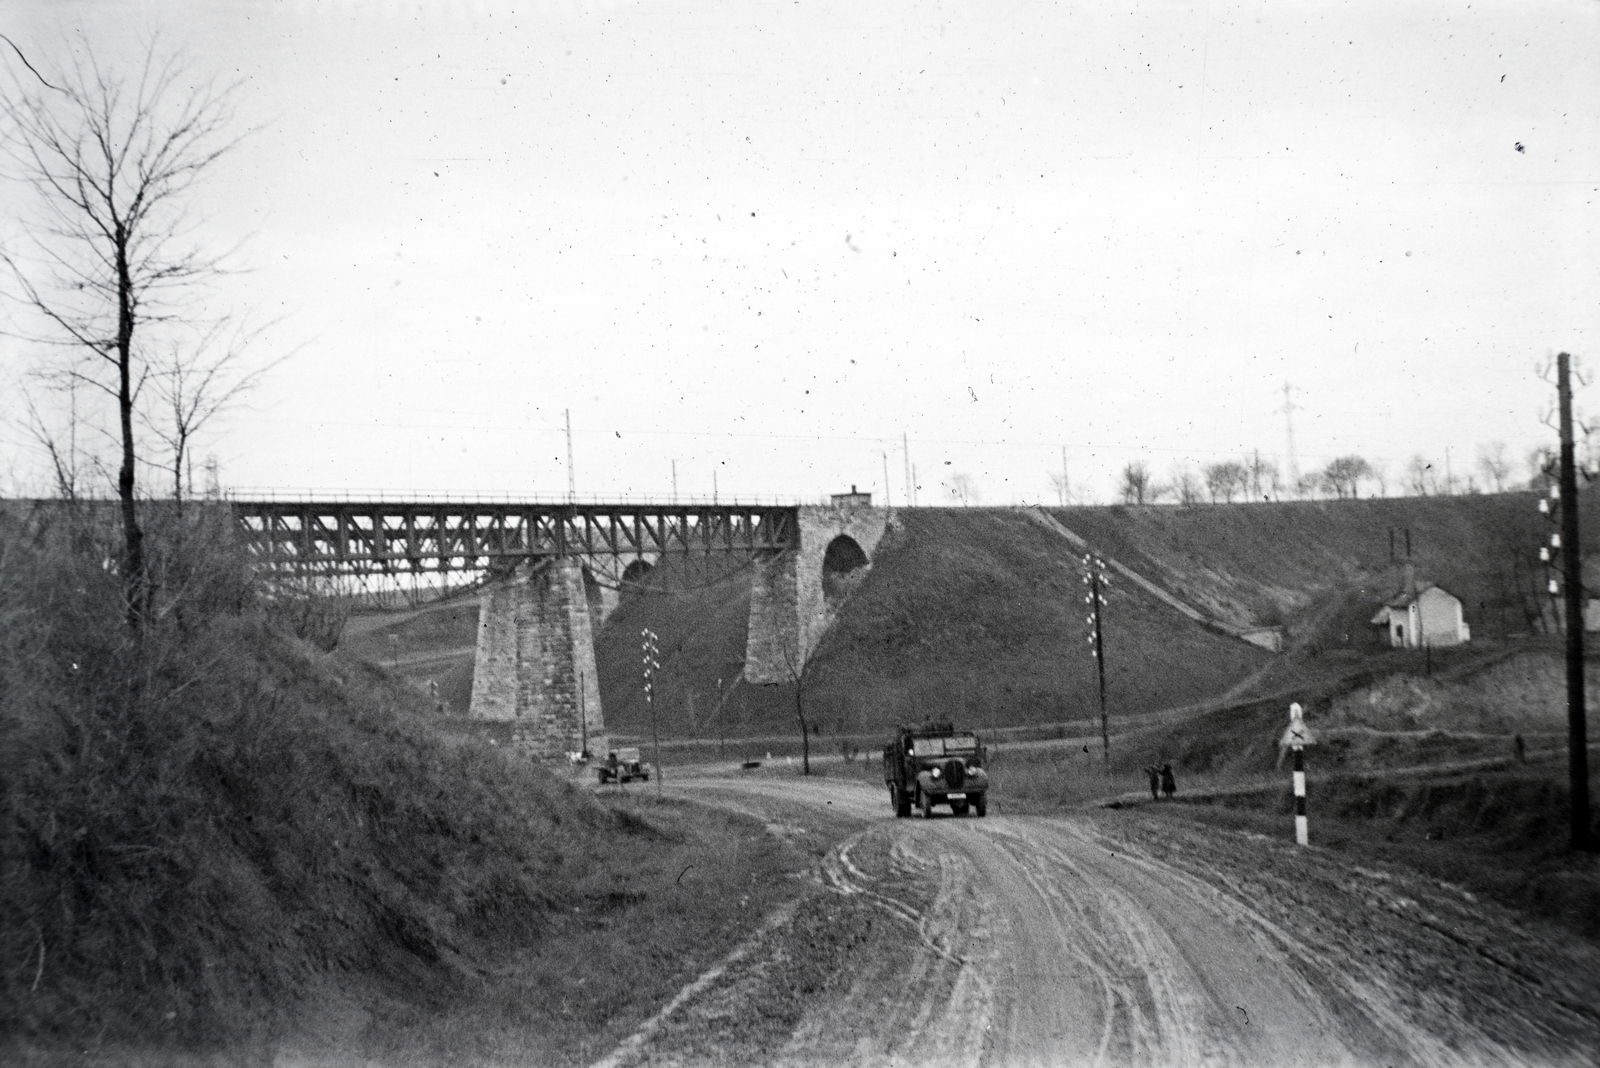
<point>111,157</point>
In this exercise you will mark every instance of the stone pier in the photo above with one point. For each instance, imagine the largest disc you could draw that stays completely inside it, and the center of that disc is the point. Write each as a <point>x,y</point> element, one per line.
<point>794,595</point>
<point>535,664</point>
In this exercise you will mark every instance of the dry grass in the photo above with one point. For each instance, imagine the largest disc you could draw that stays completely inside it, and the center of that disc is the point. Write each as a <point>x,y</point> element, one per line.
<point>215,837</point>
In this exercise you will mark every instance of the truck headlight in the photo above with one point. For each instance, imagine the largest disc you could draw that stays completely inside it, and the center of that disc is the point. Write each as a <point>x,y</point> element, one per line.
<point>934,773</point>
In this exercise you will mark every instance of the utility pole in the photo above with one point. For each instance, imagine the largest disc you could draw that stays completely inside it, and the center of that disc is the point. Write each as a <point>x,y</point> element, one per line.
<point>650,648</point>
<point>674,482</point>
<point>1288,434</point>
<point>905,445</point>
<point>713,485</point>
<point>886,478</point>
<point>583,720</point>
<point>572,478</point>
<point>1066,486</point>
<point>1094,576</point>
<point>1572,576</point>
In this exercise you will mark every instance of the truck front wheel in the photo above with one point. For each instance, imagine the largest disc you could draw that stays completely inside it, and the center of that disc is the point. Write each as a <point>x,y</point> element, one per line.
<point>981,803</point>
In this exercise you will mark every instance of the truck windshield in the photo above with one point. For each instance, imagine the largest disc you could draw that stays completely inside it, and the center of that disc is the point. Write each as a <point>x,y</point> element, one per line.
<point>960,744</point>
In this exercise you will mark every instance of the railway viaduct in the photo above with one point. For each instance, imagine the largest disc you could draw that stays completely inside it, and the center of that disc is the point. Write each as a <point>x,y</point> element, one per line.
<point>555,573</point>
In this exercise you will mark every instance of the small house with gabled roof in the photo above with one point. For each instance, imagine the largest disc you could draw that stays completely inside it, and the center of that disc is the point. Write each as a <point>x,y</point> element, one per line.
<point>1423,615</point>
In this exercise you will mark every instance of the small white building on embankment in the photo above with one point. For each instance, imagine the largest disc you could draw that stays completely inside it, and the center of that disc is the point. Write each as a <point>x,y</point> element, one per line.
<point>1426,615</point>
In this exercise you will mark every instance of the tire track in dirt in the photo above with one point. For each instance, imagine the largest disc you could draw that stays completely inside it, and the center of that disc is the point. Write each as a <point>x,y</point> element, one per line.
<point>1032,941</point>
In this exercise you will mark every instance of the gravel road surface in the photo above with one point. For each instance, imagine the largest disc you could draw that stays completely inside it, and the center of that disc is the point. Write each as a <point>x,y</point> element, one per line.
<point>1115,939</point>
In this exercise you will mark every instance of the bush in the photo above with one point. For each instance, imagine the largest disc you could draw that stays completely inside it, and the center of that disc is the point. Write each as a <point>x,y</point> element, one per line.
<point>202,823</point>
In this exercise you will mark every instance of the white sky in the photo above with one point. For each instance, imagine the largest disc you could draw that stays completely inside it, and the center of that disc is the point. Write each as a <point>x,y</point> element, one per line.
<point>769,238</point>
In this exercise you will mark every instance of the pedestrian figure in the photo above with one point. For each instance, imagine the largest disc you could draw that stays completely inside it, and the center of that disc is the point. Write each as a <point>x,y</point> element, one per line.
<point>1169,785</point>
<point>1154,775</point>
<point>1522,749</point>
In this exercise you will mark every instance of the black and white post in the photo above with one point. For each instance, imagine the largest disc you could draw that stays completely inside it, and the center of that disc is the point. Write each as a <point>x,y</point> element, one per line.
<point>1296,738</point>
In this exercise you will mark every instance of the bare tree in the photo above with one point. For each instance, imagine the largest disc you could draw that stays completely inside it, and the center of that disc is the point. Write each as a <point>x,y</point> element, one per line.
<point>804,675</point>
<point>1494,464</point>
<point>1541,468</point>
<point>1263,476</point>
<point>1226,478</point>
<point>1186,486</point>
<point>1135,487</point>
<point>196,383</point>
<point>1344,474</point>
<point>111,256</point>
<point>962,489</point>
<point>1063,488</point>
<point>1420,479</point>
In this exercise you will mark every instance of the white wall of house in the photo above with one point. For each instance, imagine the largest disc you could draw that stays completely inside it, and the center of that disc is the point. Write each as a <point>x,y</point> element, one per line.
<point>1434,617</point>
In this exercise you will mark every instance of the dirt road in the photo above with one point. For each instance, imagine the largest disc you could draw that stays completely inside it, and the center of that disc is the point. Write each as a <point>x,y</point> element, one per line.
<point>1119,940</point>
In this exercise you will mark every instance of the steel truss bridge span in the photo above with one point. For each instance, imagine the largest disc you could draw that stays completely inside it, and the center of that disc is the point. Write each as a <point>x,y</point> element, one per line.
<point>396,538</point>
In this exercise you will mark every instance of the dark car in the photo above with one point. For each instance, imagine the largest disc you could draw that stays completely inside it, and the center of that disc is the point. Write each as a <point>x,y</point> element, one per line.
<point>624,765</point>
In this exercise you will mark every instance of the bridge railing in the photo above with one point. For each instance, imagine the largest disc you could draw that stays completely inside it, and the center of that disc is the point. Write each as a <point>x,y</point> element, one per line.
<point>290,495</point>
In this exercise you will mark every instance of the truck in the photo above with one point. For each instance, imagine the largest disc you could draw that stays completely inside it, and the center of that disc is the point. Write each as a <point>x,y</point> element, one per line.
<point>935,764</point>
<point>623,765</point>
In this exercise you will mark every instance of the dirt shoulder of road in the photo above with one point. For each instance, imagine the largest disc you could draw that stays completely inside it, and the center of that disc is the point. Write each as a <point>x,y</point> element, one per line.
<point>1451,959</point>
<point>831,953</point>
<point>704,881</point>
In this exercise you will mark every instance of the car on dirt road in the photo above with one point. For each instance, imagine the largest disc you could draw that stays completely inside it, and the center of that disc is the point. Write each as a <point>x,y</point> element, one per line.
<point>623,765</point>
<point>935,764</point>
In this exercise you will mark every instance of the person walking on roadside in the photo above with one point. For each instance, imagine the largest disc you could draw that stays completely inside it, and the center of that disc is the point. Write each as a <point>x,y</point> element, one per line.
<point>1169,785</point>
<point>1154,774</point>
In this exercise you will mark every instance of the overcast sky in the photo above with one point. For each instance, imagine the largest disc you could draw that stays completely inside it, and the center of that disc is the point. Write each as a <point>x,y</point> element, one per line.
<point>770,238</point>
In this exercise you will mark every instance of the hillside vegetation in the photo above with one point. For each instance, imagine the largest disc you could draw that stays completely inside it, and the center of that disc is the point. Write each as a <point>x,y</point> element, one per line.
<point>977,614</point>
<point>970,614</point>
<point>1321,567</point>
<point>217,837</point>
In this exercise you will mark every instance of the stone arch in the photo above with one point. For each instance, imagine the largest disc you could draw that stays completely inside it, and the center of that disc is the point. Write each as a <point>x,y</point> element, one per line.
<point>844,565</point>
<point>636,574</point>
<point>795,594</point>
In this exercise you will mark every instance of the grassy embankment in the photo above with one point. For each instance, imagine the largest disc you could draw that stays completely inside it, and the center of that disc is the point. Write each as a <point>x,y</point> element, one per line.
<point>975,615</point>
<point>217,838</point>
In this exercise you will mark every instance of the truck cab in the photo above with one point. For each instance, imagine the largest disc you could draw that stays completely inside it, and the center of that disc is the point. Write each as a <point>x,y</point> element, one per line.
<point>935,764</point>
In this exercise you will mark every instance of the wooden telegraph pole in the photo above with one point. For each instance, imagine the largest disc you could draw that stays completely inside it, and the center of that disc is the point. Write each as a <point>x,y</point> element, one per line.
<point>650,649</point>
<point>1572,579</point>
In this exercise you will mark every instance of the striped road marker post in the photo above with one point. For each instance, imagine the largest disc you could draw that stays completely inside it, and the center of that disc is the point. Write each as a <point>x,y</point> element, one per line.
<point>1297,737</point>
<point>1302,829</point>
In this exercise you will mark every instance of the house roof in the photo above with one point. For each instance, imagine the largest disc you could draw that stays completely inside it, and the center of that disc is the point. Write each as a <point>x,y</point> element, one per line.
<point>1404,599</point>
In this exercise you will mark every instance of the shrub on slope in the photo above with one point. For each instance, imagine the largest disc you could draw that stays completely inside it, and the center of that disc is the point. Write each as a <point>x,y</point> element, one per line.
<point>202,826</point>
